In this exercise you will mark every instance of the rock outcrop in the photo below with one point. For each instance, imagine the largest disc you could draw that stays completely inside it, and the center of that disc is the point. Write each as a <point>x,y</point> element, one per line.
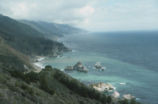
<point>77,67</point>
<point>103,87</point>
<point>98,66</point>
<point>116,94</point>
<point>128,97</point>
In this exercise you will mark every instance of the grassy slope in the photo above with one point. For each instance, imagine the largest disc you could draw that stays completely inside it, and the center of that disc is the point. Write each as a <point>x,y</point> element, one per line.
<point>16,91</point>
<point>10,58</point>
<point>50,86</point>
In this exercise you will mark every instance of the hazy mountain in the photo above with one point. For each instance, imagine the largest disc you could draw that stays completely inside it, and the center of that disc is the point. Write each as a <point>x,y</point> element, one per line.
<point>53,29</point>
<point>26,39</point>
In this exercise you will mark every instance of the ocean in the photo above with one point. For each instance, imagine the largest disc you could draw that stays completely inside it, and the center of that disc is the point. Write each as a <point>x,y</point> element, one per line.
<point>130,58</point>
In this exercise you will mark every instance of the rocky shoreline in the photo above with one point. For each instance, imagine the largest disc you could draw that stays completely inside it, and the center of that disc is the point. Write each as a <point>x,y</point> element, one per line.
<point>36,63</point>
<point>79,67</point>
<point>111,90</point>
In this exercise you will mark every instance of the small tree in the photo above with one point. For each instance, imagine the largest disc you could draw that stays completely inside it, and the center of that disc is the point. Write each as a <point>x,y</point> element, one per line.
<point>133,101</point>
<point>109,99</point>
<point>31,77</point>
<point>125,101</point>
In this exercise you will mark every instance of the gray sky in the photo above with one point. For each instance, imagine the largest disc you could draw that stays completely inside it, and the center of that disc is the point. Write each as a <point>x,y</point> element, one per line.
<point>94,15</point>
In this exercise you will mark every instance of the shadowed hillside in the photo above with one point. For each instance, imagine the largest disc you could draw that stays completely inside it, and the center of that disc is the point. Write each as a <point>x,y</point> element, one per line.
<point>27,40</point>
<point>10,59</point>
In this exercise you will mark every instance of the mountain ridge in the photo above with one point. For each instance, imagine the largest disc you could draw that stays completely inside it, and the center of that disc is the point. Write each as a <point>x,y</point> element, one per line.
<point>51,29</point>
<point>27,40</point>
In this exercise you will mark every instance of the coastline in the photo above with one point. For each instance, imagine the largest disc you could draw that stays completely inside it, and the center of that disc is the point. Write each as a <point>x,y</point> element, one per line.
<point>111,88</point>
<point>37,63</point>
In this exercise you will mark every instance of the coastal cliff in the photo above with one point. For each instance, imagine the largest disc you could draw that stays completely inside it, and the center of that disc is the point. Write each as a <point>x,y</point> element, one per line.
<point>19,84</point>
<point>28,40</point>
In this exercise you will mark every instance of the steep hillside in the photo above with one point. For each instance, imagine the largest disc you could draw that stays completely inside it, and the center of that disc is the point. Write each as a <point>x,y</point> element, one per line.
<point>14,28</point>
<point>43,88</point>
<point>26,39</point>
<point>50,86</point>
<point>10,59</point>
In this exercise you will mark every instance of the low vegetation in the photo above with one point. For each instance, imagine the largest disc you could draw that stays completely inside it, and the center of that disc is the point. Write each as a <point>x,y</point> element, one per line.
<point>56,83</point>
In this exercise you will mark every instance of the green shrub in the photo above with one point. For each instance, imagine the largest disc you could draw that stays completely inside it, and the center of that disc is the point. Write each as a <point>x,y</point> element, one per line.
<point>44,85</point>
<point>80,88</point>
<point>125,101</point>
<point>1,95</point>
<point>109,99</point>
<point>48,68</point>
<point>27,88</point>
<point>2,78</point>
<point>24,86</point>
<point>31,77</point>
<point>132,101</point>
<point>17,74</point>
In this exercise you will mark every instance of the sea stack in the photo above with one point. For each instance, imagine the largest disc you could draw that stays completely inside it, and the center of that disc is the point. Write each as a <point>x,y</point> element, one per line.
<point>98,66</point>
<point>79,67</point>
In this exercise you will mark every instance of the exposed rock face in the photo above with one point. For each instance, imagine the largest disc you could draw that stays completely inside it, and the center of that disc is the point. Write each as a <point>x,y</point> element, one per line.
<point>128,96</point>
<point>103,87</point>
<point>98,66</point>
<point>116,94</point>
<point>78,67</point>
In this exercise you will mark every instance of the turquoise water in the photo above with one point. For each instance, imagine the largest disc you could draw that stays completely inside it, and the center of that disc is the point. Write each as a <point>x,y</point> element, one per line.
<point>128,57</point>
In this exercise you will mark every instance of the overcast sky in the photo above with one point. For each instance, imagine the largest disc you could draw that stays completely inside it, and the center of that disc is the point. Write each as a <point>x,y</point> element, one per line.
<point>94,15</point>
